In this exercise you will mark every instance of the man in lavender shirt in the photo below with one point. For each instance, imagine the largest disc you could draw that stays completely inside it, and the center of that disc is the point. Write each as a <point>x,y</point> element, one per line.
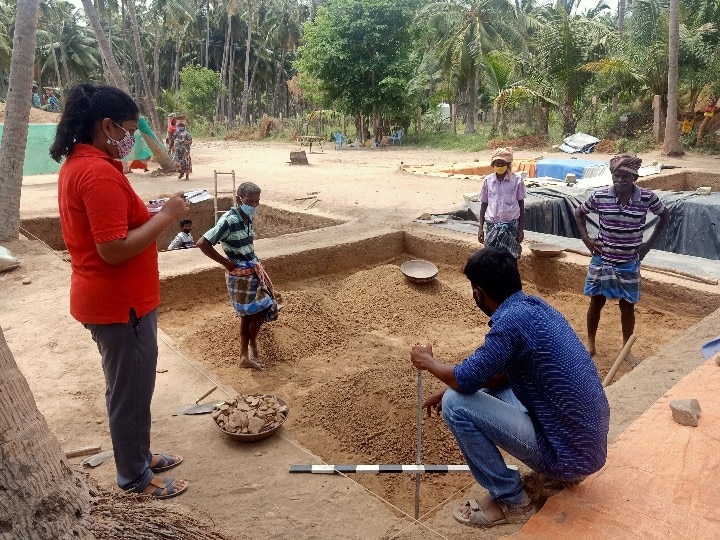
<point>502,208</point>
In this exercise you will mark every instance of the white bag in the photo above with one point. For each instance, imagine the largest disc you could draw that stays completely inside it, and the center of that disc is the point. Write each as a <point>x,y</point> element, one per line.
<point>7,261</point>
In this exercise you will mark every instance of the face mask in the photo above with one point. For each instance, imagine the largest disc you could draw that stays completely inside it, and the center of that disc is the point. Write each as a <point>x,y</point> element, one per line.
<point>248,210</point>
<point>500,170</point>
<point>181,128</point>
<point>125,145</point>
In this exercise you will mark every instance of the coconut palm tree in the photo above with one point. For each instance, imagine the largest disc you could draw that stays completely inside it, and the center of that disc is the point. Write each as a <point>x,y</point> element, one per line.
<point>464,33</point>
<point>671,144</point>
<point>106,52</point>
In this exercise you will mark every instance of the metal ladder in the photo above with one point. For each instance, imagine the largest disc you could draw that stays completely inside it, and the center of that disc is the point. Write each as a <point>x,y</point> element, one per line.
<point>223,192</point>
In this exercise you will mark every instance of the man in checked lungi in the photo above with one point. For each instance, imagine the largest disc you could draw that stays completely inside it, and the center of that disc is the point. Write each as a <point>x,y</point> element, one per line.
<point>618,249</point>
<point>250,288</point>
<point>502,205</point>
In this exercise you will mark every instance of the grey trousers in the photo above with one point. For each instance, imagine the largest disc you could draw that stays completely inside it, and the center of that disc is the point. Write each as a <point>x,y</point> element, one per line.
<point>129,358</point>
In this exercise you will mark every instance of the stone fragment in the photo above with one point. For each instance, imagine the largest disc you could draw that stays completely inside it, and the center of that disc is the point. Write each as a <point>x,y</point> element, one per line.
<point>685,411</point>
<point>255,425</point>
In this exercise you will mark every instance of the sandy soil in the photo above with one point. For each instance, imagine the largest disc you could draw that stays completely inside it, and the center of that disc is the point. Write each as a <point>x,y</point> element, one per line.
<point>37,116</point>
<point>338,353</point>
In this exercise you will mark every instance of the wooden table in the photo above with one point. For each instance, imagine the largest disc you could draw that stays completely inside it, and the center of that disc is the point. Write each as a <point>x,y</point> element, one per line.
<point>309,140</point>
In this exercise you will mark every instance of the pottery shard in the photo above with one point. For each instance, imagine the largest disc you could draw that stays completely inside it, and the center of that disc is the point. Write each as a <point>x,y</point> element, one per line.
<point>238,418</point>
<point>255,425</point>
<point>685,411</point>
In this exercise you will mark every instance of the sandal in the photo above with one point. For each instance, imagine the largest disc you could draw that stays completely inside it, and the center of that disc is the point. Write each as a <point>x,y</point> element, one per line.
<point>478,518</point>
<point>164,488</point>
<point>165,462</point>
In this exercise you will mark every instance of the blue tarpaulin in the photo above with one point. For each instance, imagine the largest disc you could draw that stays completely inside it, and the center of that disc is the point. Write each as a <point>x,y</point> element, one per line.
<point>558,168</point>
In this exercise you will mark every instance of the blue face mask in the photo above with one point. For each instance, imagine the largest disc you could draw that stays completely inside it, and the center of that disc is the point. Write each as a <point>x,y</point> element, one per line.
<point>248,210</point>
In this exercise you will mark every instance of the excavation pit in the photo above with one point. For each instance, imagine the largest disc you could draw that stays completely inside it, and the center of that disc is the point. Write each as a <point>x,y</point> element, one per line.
<point>339,353</point>
<point>270,222</point>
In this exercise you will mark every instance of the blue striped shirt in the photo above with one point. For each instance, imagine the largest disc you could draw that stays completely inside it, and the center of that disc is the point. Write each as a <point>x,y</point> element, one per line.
<point>621,227</point>
<point>235,236</point>
<point>552,375</point>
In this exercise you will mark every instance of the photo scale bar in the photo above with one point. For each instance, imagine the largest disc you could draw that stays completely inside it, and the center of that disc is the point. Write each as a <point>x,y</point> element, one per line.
<point>389,468</point>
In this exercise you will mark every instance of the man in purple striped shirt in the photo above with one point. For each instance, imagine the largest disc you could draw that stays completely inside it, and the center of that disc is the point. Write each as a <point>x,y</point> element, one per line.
<point>618,249</point>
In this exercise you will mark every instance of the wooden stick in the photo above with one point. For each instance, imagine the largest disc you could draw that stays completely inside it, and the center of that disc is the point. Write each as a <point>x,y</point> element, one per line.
<point>660,270</point>
<point>84,451</point>
<point>625,350</point>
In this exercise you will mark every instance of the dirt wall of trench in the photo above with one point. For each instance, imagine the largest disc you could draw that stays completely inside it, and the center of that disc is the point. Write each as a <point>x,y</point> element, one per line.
<point>681,181</point>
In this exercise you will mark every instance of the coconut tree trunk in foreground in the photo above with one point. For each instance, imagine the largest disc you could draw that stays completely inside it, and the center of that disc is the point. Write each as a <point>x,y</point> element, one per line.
<point>41,497</point>
<point>671,145</point>
<point>17,116</point>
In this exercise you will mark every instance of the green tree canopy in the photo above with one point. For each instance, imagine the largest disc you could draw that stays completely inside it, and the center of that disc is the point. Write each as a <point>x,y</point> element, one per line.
<point>199,88</point>
<point>359,50</point>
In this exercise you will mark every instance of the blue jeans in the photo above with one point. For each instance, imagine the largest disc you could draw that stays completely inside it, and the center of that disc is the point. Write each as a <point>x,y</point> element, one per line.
<point>483,422</point>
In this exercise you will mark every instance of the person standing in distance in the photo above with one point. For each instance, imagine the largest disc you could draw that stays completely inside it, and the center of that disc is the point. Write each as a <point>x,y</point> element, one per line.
<point>614,270</point>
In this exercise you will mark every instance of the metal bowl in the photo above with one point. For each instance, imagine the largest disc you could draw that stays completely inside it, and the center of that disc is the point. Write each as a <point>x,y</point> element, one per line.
<point>546,250</point>
<point>419,271</point>
<point>251,437</point>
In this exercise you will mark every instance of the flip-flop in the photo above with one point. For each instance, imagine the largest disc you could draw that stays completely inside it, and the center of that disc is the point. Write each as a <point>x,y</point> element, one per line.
<point>478,518</point>
<point>166,462</point>
<point>168,486</point>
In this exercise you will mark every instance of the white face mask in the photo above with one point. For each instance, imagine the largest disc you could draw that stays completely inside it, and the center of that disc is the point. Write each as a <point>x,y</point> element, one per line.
<point>125,145</point>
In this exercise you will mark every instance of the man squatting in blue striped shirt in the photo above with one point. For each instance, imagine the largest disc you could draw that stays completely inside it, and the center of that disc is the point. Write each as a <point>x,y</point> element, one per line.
<point>614,270</point>
<point>250,288</point>
<point>531,389</point>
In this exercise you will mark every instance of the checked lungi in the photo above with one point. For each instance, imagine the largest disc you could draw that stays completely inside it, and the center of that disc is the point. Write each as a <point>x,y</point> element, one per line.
<point>251,291</point>
<point>613,280</point>
<point>504,235</point>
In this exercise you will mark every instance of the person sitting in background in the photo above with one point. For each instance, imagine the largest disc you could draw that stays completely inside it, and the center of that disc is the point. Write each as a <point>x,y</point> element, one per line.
<point>184,239</point>
<point>52,101</point>
<point>502,205</point>
<point>35,98</point>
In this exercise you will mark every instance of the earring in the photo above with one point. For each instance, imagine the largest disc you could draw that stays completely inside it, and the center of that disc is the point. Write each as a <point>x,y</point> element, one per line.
<point>109,141</point>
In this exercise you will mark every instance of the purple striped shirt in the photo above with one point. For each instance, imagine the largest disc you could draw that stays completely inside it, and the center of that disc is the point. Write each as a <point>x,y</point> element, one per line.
<point>621,227</point>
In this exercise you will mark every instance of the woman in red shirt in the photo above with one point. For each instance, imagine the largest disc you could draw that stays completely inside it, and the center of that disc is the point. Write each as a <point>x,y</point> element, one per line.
<point>115,285</point>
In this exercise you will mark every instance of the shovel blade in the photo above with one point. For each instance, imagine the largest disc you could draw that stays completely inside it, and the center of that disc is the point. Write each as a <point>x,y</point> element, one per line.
<point>195,409</point>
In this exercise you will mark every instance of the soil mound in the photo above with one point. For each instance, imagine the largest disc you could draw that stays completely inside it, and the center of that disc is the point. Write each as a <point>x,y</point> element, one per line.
<point>36,116</point>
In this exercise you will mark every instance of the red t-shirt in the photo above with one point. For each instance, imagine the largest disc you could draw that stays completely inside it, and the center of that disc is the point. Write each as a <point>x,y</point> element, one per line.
<point>98,204</point>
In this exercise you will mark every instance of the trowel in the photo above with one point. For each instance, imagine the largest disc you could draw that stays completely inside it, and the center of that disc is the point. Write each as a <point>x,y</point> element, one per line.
<point>197,408</point>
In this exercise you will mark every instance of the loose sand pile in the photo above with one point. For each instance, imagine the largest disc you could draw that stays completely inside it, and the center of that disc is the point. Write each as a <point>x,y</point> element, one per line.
<point>36,116</point>
<point>339,354</point>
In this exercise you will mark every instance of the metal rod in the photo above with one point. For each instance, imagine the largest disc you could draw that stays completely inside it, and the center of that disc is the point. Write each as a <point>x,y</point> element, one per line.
<point>418,457</point>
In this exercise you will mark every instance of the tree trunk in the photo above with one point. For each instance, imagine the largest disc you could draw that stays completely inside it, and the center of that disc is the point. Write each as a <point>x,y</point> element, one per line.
<point>156,60</point>
<point>207,35</point>
<point>472,100</point>
<point>671,144</point>
<point>142,67</point>
<point>105,50</point>
<point>246,78</point>
<point>64,60</point>
<point>621,29</point>
<point>219,106</point>
<point>55,63</point>
<point>176,68</point>
<point>14,137</point>
<point>231,81</point>
<point>42,497</point>
<point>279,79</point>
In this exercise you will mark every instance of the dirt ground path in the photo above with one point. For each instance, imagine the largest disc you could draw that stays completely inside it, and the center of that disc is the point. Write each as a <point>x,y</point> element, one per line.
<point>245,491</point>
